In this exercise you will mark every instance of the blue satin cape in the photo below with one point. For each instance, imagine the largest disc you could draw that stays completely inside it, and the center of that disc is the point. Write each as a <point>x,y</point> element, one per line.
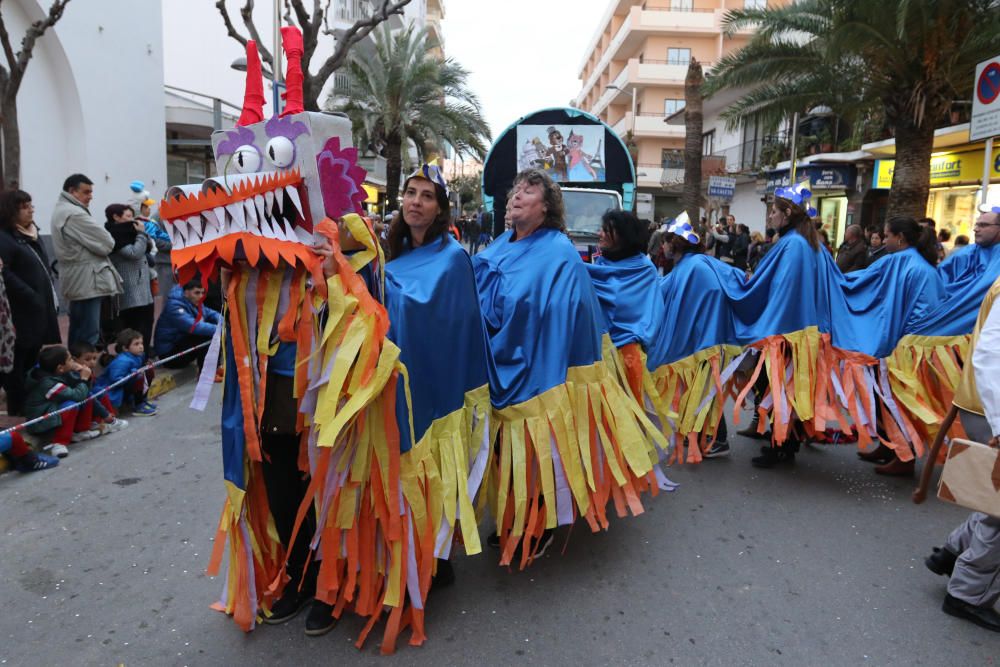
<point>435,320</point>
<point>541,312</point>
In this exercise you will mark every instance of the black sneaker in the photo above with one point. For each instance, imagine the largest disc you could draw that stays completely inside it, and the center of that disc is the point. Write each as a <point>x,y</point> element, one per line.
<point>984,617</point>
<point>493,541</point>
<point>445,575</point>
<point>320,619</point>
<point>772,456</point>
<point>717,450</point>
<point>941,561</point>
<point>288,606</point>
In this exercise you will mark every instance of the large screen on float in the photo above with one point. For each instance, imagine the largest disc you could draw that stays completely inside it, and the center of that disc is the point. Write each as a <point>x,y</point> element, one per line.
<point>567,153</point>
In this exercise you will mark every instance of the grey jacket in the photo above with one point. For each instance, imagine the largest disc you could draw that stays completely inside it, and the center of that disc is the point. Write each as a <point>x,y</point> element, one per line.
<point>82,247</point>
<point>130,261</point>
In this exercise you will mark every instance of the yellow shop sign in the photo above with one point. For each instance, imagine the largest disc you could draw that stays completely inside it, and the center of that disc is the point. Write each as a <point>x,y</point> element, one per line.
<point>945,168</point>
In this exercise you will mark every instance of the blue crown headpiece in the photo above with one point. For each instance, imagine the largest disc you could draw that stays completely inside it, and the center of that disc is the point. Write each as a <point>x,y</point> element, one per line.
<point>432,173</point>
<point>682,228</point>
<point>798,195</point>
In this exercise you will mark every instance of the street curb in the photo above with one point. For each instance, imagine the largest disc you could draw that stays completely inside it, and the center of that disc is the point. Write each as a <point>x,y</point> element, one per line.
<point>166,381</point>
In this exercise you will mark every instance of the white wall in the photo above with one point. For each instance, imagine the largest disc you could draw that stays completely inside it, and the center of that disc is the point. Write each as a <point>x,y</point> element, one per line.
<point>748,208</point>
<point>92,100</point>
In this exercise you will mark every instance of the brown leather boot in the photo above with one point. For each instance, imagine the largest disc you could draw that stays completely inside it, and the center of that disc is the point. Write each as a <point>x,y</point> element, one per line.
<point>896,468</point>
<point>880,454</point>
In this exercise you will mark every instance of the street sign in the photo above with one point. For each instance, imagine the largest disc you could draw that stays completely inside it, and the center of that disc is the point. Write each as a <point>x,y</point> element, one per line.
<point>723,187</point>
<point>985,121</point>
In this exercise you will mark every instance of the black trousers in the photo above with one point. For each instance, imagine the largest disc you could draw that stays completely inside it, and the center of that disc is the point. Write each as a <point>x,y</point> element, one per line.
<point>187,343</point>
<point>286,484</point>
<point>13,383</point>
<point>139,318</point>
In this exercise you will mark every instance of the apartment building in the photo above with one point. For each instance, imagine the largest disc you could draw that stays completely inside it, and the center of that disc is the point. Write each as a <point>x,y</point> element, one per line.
<point>633,79</point>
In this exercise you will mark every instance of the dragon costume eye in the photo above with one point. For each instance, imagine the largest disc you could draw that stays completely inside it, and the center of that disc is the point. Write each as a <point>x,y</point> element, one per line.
<point>281,152</point>
<point>247,159</point>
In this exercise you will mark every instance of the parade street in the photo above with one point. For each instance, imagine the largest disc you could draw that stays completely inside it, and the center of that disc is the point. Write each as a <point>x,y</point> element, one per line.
<point>821,563</point>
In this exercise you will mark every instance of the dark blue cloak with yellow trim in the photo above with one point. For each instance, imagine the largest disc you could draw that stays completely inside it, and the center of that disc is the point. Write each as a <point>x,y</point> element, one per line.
<point>886,299</point>
<point>697,313</point>
<point>626,290</point>
<point>435,320</point>
<point>514,277</point>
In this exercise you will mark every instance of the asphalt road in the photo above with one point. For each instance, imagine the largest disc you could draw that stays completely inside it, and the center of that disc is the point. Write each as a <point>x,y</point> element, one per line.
<point>103,563</point>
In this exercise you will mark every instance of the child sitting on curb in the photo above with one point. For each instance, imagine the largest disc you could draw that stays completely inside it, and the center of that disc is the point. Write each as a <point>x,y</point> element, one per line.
<point>129,359</point>
<point>24,460</point>
<point>50,386</point>
<point>105,416</point>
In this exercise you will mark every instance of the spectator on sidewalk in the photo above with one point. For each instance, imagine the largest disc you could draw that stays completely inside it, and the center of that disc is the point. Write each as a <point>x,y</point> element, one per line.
<point>13,446</point>
<point>105,416</point>
<point>180,327</point>
<point>853,252</point>
<point>29,292</point>
<point>51,386</point>
<point>82,247</point>
<point>132,244</point>
<point>131,393</point>
<point>876,247</point>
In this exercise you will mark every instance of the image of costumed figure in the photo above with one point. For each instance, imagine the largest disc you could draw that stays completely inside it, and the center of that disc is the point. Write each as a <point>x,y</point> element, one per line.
<point>570,437</point>
<point>312,454</point>
<point>579,168</point>
<point>556,154</point>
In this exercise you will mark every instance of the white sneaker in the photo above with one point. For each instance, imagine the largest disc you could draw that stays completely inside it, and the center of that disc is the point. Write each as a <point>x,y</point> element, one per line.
<point>116,425</point>
<point>56,449</point>
<point>84,435</point>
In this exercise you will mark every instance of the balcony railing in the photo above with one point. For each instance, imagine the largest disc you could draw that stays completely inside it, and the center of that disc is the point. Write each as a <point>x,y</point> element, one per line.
<point>352,10</point>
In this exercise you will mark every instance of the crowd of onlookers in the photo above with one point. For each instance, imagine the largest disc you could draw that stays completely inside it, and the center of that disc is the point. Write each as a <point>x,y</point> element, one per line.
<point>104,275</point>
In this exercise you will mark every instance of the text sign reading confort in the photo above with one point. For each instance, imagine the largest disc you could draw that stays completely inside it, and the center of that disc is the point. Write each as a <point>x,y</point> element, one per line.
<point>985,121</point>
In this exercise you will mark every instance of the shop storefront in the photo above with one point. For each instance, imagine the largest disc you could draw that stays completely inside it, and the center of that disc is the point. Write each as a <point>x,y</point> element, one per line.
<point>831,186</point>
<point>956,187</point>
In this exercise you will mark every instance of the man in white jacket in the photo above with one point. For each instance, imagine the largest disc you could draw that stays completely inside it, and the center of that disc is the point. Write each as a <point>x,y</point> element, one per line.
<point>82,246</point>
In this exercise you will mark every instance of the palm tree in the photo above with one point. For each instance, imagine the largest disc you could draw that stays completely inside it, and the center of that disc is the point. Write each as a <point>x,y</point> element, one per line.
<point>401,95</point>
<point>906,61</point>
<point>693,122</point>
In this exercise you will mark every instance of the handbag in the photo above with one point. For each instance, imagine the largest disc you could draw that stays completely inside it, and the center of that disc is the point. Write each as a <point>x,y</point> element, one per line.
<point>971,477</point>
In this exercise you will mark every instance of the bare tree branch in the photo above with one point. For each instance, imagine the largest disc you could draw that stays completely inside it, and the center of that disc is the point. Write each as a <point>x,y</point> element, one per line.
<point>7,49</point>
<point>247,14</point>
<point>230,28</point>
<point>31,35</point>
<point>356,33</point>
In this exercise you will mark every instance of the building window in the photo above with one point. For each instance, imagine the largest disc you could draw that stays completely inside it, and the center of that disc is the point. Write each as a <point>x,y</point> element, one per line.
<point>671,107</point>
<point>708,143</point>
<point>678,56</point>
<point>672,158</point>
<point>754,4</point>
<point>681,5</point>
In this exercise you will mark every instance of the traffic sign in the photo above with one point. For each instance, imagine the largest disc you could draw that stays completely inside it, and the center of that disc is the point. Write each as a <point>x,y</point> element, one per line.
<point>721,186</point>
<point>985,121</point>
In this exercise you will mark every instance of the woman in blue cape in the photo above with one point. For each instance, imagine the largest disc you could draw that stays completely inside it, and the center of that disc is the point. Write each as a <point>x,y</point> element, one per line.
<point>625,281</point>
<point>784,312</point>
<point>692,348</point>
<point>435,320</point>
<point>570,438</point>
<point>627,287</point>
<point>883,300</point>
<point>925,368</point>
